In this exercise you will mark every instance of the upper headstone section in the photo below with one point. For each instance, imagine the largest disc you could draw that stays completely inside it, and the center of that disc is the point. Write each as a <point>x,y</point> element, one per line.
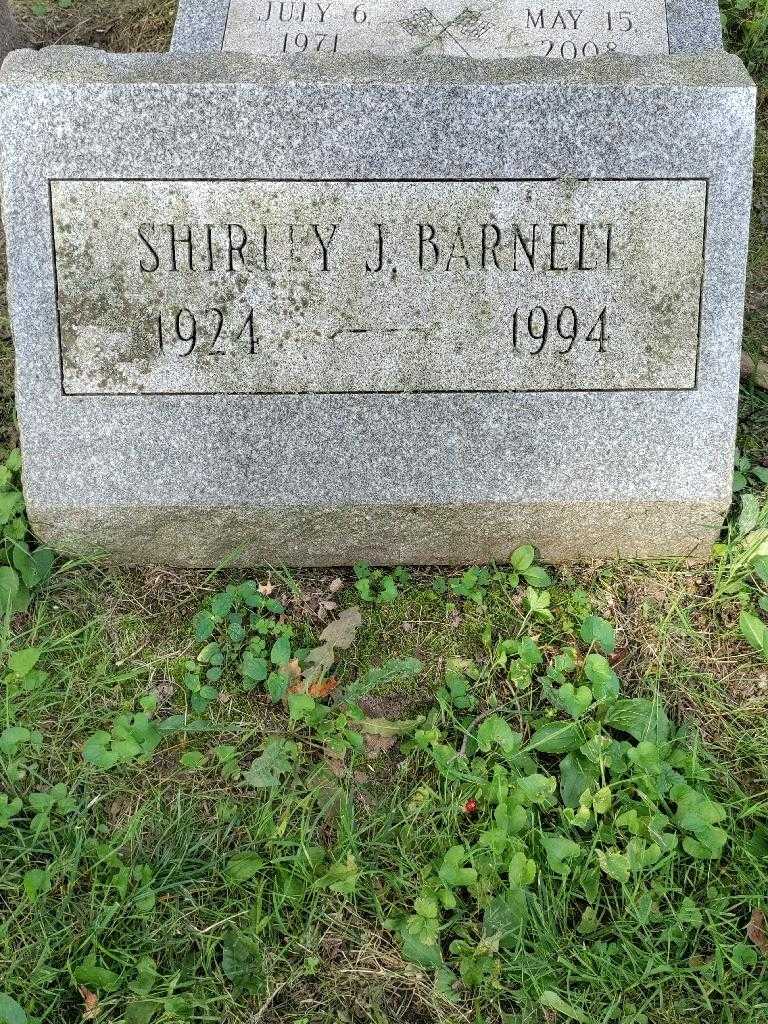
<point>455,28</point>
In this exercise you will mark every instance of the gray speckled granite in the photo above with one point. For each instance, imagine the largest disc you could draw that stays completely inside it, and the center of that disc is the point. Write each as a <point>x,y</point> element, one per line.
<point>500,29</point>
<point>411,477</point>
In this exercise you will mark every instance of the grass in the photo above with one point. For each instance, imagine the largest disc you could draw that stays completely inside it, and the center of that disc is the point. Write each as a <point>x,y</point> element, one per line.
<point>175,885</point>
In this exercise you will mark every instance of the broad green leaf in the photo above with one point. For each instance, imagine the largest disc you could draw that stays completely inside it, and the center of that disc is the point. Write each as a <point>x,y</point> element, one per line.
<point>595,630</point>
<point>36,883</point>
<point>300,706</point>
<point>211,654</point>
<point>417,952</point>
<point>605,682</point>
<point>707,844</point>
<point>749,515</point>
<point>8,809</point>
<point>281,651</point>
<point>559,851</point>
<point>141,1012</point>
<point>644,907</point>
<point>9,587</point>
<point>495,731</point>
<point>521,870</point>
<point>534,789</point>
<point>43,558</point>
<point>538,602</point>
<point>754,632</point>
<point>506,916</point>
<point>11,502</point>
<point>647,757</point>
<point>242,962</point>
<point>643,719</point>
<point>558,738</point>
<point>223,603</point>
<point>10,1011</point>
<point>243,866</point>
<point>552,1001</point>
<point>589,923</point>
<point>98,751</point>
<point>529,652</point>
<point>341,877</point>
<point>496,839</point>
<point>95,977</point>
<point>426,906</point>
<point>614,864</point>
<point>522,558</point>
<point>22,662</point>
<point>602,800</point>
<point>277,685</point>
<point>537,577</point>
<point>453,872</point>
<point>445,985</point>
<point>424,929</point>
<point>641,854</point>
<point>743,956</point>
<point>192,759</point>
<point>254,668</point>
<point>689,913</point>
<point>577,774</point>
<point>12,737</point>
<point>26,564</point>
<point>695,810</point>
<point>204,625</point>
<point>277,759</point>
<point>574,701</point>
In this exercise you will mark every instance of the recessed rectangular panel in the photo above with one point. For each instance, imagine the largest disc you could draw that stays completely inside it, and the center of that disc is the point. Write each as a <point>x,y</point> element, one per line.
<point>378,286</point>
<point>500,28</point>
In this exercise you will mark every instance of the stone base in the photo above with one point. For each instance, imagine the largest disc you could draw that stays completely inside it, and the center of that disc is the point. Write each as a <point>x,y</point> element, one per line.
<point>457,535</point>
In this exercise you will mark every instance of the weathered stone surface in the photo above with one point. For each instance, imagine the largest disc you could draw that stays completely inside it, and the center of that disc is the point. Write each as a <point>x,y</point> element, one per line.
<point>503,28</point>
<point>258,287</point>
<point>450,440</point>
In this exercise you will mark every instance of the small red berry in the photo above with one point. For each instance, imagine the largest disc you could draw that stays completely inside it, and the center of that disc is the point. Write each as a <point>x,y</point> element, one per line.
<point>470,807</point>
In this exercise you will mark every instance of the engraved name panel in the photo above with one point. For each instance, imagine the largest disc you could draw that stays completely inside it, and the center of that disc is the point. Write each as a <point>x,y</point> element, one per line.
<point>258,287</point>
<point>500,28</point>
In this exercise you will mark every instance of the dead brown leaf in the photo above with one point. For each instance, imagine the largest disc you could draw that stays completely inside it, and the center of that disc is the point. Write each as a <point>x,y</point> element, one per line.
<point>375,745</point>
<point>293,669</point>
<point>756,931</point>
<point>325,607</point>
<point>319,689</point>
<point>343,630</point>
<point>90,1003</point>
<point>335,585</point>
<point>335,763</point>
<point>618,655</point>
<point>339,634</point>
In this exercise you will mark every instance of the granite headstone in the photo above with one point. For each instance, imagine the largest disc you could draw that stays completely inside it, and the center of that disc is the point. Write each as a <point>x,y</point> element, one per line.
<point>320,311</point>
<point>501,28</point>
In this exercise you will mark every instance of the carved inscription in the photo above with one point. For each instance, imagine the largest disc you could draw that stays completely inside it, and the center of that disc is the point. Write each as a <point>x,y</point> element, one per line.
<point>480,29</point>
<point>374,286</point>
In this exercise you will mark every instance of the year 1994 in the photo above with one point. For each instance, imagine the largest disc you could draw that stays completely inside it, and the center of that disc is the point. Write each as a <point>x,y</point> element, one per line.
<point>560,330</point>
